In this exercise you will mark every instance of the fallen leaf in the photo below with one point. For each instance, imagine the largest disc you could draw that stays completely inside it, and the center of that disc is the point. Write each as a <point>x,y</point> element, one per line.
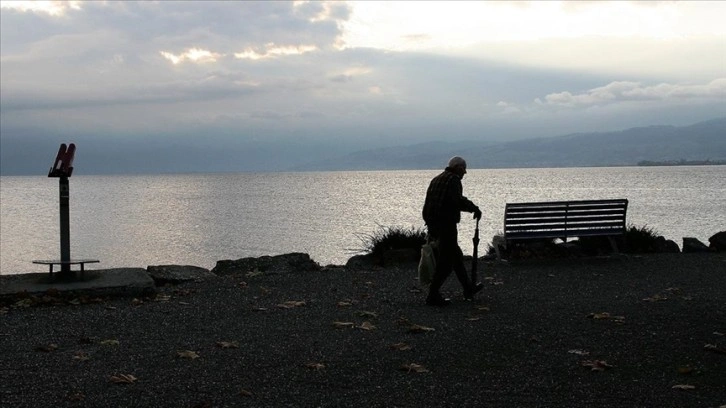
<point>413,367</point>
<point>473,318</point>
<point>719,334</point>
<point>189,354</point>
<point>345,303</point>
<point>136,302</point>
<point>400,346</point>
<point>656,298</point>
<point>253,273</point>
<point>416,328</point>
<point>110,342</point>
<point>4,310</point>
<point>343,325</point>
<point>81,356</point>
<point>685,370</point>
<point>683,387</point>
<point>77,396</point>
<point>579,352</point>
<point>184,303</point>
<point>111,308</point>
<point>291,304</point>
<point>23,303</point>
<point>259,309</point>
<point>74,301</point>
<point>482,308</point>
<point>364,313</point>
<point>315,366</point>
<point>47,348</point>
<point>596,365</point>
<point>367,326</point>
<point>606,316</point>
<point>715,348</point>
<point>123,379</point>
<point>243,392</point>
<point>162,298</point>
<point>227,344</point>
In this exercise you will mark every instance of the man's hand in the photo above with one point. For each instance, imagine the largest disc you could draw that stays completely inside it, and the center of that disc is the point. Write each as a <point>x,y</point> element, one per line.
<point>477,214</point>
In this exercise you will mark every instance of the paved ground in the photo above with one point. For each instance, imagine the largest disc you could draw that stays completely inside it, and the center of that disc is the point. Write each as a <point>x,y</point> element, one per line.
<point>651,326</point>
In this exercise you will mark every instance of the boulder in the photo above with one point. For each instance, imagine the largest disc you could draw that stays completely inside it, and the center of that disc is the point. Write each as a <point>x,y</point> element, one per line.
<point>292,262</point>
<point>671,247</point>
<point>163,274</point>
<point>694,245</point>
<point>662,245</point>
<point>366,261</point>
<point>401,256</point>
<point>718,241</point>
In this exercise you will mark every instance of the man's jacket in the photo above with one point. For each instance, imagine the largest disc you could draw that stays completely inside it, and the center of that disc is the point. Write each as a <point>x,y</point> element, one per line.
<point>445,201</point>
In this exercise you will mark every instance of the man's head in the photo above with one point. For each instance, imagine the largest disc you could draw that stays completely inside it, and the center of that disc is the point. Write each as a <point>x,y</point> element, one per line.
<point>458,165</point>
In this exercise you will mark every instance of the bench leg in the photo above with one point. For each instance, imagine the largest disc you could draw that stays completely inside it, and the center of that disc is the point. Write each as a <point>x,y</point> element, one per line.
<point>613,244</point>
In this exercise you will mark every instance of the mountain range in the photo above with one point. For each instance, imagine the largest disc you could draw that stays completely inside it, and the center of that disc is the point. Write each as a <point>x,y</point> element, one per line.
<point>698,142</point>
<point>31,152</point>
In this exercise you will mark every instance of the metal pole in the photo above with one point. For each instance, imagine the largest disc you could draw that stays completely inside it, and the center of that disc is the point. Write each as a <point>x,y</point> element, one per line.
<point>65,230</point>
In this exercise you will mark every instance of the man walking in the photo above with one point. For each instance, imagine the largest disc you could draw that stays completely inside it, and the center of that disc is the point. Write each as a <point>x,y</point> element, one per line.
<point>441,212</point>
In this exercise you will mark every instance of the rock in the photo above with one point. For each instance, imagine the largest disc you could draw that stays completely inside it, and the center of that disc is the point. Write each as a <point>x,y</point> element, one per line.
<point>292,262</point>
<point>694,245</point>
<point>671,247</point>
<point>366,261</point>
<point>123,282</point>
<point>163,274</point>
<point>718,241</point>
<point>662,245</point>
<point>401,256</point>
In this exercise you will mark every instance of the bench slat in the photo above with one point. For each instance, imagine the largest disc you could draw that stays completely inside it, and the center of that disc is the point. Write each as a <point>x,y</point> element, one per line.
<point>564,227</point>
<point>561,234</point>
<point>572,219</point>
<point>572,203</point>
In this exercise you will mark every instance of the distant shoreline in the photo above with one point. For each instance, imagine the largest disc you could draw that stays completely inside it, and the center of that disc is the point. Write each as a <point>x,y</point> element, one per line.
<point>682,163</point>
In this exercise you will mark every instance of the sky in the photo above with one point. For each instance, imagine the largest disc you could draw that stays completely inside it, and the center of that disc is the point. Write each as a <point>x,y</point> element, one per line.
<point>341,76</point>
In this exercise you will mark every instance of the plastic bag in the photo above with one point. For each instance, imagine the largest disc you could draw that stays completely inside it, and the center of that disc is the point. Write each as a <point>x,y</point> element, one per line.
<point>427,263</point>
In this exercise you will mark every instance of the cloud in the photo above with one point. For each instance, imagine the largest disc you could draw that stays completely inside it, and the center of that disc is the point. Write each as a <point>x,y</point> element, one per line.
<point>193,55</point>
<point>625,91</point>
<point>272,50</point>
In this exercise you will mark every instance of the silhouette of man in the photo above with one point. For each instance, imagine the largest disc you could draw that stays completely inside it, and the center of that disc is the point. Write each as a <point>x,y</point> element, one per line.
<point>441,213</point>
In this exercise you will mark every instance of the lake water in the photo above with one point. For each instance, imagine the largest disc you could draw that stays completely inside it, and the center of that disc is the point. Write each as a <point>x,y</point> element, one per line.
<point>198,219</point>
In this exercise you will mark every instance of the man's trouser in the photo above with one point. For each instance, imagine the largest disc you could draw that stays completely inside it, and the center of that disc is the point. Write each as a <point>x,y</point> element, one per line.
<point>449,256</point>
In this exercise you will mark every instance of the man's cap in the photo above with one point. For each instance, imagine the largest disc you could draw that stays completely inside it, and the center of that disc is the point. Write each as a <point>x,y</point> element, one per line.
<point>457,161</point>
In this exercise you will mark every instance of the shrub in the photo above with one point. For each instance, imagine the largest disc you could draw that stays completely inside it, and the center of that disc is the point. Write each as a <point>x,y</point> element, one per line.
<point>388,238</point>
<point>637,240</point>
<point>641,240</point>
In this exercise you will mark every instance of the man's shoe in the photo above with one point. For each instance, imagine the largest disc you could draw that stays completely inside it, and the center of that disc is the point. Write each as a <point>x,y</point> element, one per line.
<point>469,294</point>
<point>437,301</point>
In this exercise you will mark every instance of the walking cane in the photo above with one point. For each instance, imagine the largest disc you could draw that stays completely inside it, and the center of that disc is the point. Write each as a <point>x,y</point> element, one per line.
<point>475,254</point>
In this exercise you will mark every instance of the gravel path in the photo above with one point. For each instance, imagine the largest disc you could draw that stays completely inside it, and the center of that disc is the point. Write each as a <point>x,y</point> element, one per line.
<point>648,322</point>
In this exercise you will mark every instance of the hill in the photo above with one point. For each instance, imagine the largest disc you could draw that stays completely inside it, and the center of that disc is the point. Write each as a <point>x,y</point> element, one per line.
<point>698,142</point>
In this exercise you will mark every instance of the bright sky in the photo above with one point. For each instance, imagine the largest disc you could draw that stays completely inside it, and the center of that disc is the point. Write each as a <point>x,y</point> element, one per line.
<point>323,70</point>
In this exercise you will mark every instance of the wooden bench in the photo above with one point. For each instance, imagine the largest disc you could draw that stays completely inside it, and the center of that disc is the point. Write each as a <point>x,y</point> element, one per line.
<point>81,262</point>
<point>565,219</point>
